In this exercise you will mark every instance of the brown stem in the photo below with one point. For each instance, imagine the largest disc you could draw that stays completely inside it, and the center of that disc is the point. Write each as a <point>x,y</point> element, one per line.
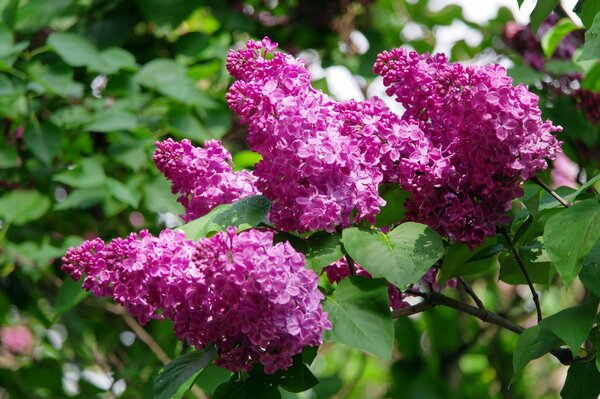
<point>471,293</point>
<point>536,299</point>
<point>150,342</point>
<point>553,193</point>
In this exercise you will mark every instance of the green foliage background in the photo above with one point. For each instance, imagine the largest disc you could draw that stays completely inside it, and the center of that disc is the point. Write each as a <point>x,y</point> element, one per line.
<point>74,166</point>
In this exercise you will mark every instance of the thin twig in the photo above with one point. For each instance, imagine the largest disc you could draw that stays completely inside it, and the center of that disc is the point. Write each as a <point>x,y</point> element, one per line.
<point>150,342</point>
<point>411,310</point>
<point>471,293</point>
<point>536,299</point>
<point>553,193</point>
<point>437,299</point>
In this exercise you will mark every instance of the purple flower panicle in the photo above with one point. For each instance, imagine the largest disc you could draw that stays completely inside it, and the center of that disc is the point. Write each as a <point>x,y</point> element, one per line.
<point>488,134</point>
<point>254,300</point>
<point>203,177</point>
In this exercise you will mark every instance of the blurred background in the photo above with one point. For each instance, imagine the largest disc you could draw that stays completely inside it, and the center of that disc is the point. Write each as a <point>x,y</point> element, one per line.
<point>88,86</point>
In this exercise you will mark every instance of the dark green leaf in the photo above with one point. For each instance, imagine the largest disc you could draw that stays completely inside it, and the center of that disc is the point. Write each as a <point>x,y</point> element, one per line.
<point>570,235</point>
<point>75,49</point>
<point>591,47</point>
<point>584,187</point>
<point>23,206</point>
<point>170,16</point>
<point>459,260</point>
<point>82,198</point>
<point>533,343</point>
<point>583,382</point>
<point>322,249</point>
<point>298,377</point>
<point>590,272</point>
<point>591,81</point>
<point>360,315</point>
<point>181,372</point>
<point>243,214</point>
<point>69,295</point>
<point>112,121</point>
<point>393,211</point>
<point>36,14</point>
<point>402,256</point>
<point>572,325</point>
<point>43,140</point>
<point>542,9</point>
<point>586,10</point>
<point>246,390</point>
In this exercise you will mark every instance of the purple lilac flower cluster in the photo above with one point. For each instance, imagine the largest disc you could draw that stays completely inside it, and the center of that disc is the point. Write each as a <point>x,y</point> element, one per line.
<point>489,133</point>
<point>254,300</point>
<point>316,175</point>
<point>467,139</point>
<point>203,177</point>
<point>339,270</point>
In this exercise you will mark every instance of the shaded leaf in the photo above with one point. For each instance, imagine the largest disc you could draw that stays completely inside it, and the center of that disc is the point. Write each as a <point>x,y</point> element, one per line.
<point>177,376</point>
<point>360,315</point>
<point>570,235</point>
<point>590,272</point>
<point>23,206</point>
<point>583,382</point>
<point>69,294</point>
<point>540,12</point>
<point>533,343</point>
<point>591,47</point>
<point>243,214</point>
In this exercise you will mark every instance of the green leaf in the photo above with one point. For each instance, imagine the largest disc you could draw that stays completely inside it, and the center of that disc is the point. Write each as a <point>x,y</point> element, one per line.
<point>37,14</point>
<point>591,81</point>
<point>181,372</point>
<point>298,377</point>
<point>586,10</point>
<point>591,47</point>
<point>524,74</point>
<point>572,325</point>
<point>23,206</point>
<point>116,58</point>
<point>533,343</point>
<point>244,214</point>
<point>584,187</point>
<point>83,198</point>
<point>246,390</point>
<point>590,272</point>
<point>112,121</point>
<point>554,35</point>
<point>570,235</point>
<point>122,193</point>
<point>542,9</point>
<point>393,211</point>
<point>43,140</point>
<point>245,159</point>
<point>459,260</point>
<point>69,294</point>
<point>539,272</point>
<point>322,249</point>
<point>74,49</point>
<point>170,79</point>
<point>171,16</point>
<point>86,175</point>
<point>158,197</point>
<point>360,315</point>
<point>583,382</point>
<point>401,257</point>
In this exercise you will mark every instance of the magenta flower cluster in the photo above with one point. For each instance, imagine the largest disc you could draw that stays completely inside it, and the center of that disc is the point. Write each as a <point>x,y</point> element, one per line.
<point>254,300</point>
<point>489,132</point>
<point>316,174</point>
<point>466,140</point>
<point>203,177</point>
